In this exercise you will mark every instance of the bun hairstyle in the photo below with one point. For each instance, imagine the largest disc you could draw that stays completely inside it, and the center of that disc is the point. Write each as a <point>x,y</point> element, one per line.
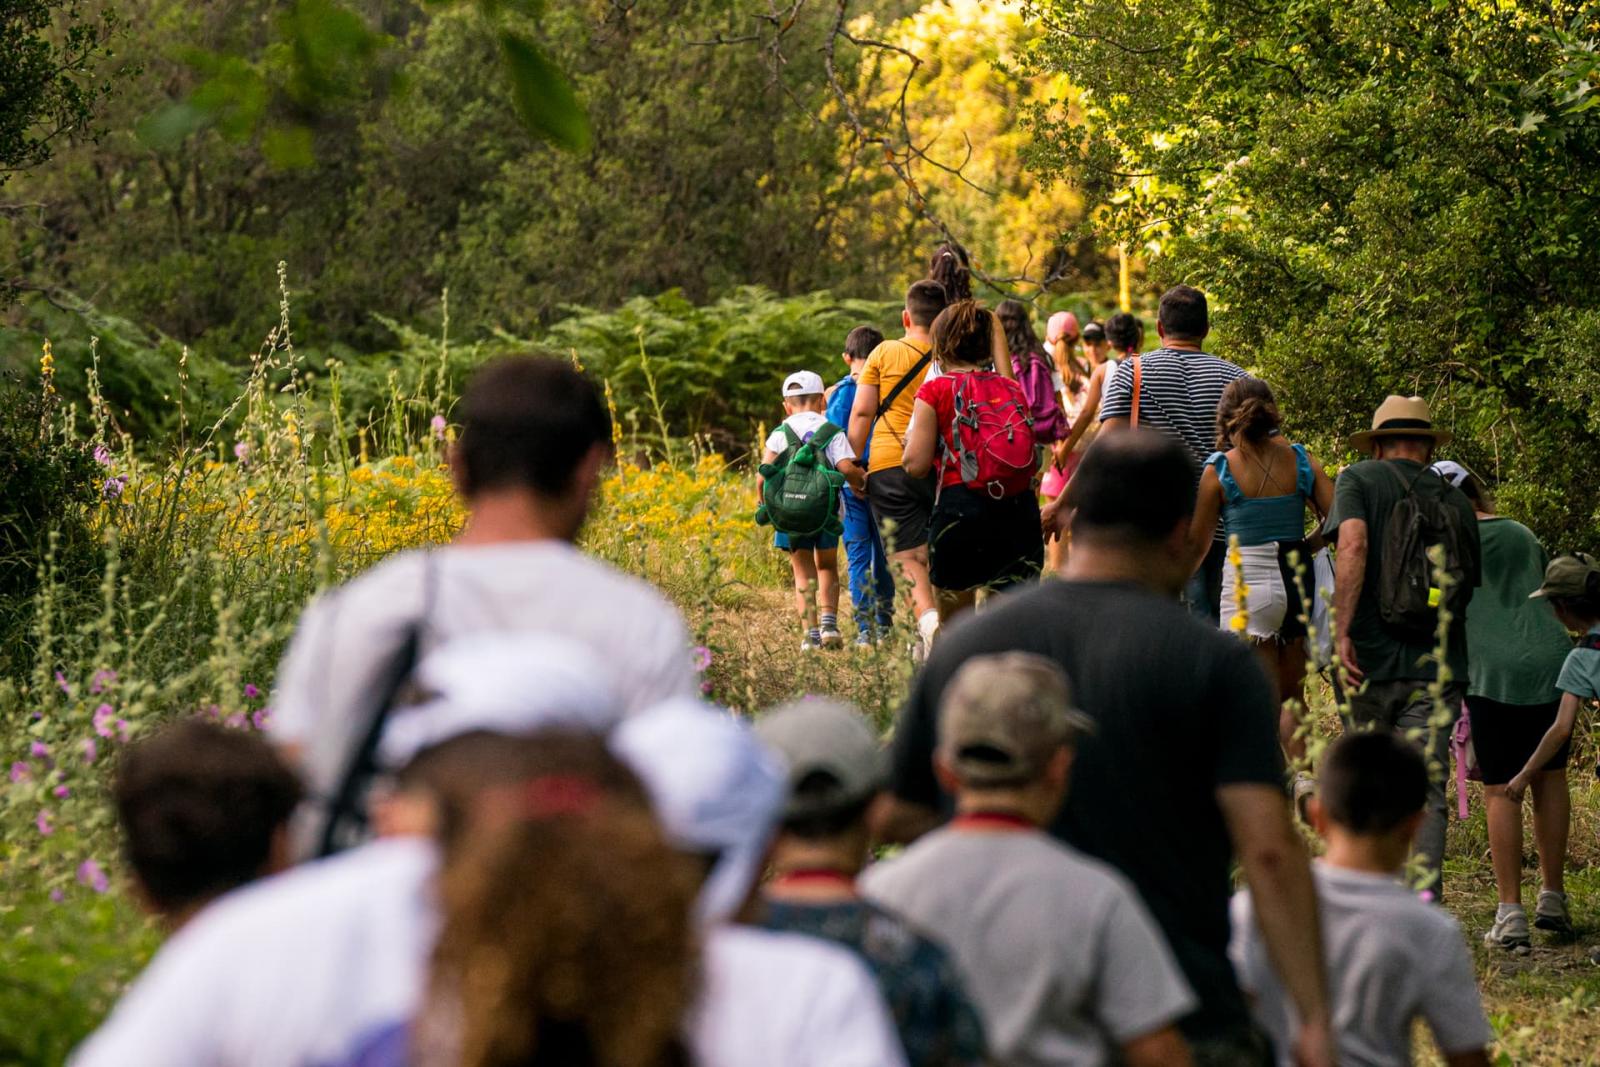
<point>1125,332</point>
<point>962,335</point>
<point>951,268</point>
<point>1247,412</point>
<point>1018,324</point>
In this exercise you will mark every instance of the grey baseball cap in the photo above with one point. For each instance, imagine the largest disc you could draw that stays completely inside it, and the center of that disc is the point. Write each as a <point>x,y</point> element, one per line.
<point>834,758</point>
<point>1005,715</point>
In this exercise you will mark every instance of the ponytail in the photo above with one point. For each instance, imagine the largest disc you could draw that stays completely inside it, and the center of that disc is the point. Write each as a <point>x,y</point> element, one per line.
<point>951,268</point>
<point>1247,412</point>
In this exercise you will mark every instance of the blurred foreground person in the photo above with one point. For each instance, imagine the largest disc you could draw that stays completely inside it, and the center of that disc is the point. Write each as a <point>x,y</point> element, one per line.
<point>325,965</point>
<point>1065,962</point>
<point>535,441</point>
<point>1392,959</point>
<point>837,774</point>
<point>203,809</point>
<point>777,1000</point>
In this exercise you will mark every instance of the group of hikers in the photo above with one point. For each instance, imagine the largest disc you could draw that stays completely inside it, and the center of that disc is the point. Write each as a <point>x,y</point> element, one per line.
<point>493,823</point>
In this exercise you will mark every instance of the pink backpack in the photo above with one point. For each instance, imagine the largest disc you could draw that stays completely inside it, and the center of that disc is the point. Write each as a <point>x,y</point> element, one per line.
<point>1039,387</point>
<point>992,435</point>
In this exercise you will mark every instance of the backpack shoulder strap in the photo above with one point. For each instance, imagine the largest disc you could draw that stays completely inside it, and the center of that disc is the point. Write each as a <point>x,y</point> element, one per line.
<point>905,381</point>
<point>790,436</point>
<point>823,435</point>
<point>1138,380</point>
<point>1589,641</point>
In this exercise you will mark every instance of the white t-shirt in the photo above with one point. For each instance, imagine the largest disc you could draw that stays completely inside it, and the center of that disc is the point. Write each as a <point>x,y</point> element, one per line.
<point>346,640</point>
<point>1054,948</point>
<point>307,969</point>
<point>785,1000</point>
<point>1391,959</point>
<point>806,423</point>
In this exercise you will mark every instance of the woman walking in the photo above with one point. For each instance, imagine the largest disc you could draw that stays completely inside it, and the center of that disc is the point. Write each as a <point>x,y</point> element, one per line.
<point>1034,374</point>
<point>1515,649</point>
<point>1260,485</point>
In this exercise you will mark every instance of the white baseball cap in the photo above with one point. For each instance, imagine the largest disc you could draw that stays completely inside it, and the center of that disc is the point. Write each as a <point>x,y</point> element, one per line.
<point>505,683</point>
<point>716,789</point>
<point>803,383</point>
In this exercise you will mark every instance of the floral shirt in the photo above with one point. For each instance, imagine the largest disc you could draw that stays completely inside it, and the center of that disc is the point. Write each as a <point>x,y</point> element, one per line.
<point>937,1023</point>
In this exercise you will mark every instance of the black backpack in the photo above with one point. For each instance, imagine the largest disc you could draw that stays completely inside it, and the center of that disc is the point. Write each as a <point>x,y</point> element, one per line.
<point>1408,599</point>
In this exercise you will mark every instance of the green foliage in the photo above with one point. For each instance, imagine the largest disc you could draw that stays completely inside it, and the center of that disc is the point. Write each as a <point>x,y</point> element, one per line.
<point>49,54</point>
<point>714,369</point>
<point>1381,197</point>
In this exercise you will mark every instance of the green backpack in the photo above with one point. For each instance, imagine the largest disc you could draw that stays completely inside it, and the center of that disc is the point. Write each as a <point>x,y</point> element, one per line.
<point>800,490</point>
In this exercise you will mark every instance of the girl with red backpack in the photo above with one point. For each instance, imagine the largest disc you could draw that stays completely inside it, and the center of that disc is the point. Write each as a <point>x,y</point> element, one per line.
<point>975,430</point>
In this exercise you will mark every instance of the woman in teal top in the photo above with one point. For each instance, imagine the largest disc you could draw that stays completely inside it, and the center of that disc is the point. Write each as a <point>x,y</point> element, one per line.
<point>1515,650</point>
<point>1260,485</point>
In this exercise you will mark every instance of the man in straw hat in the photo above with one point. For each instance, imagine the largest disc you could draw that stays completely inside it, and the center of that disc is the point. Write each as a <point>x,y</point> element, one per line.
<point>1398,664</point>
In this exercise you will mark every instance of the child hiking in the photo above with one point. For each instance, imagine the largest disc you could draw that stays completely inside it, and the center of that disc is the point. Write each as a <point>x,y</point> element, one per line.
<point>807,462</point>
<point>973,429</point>
<point>871,580</point>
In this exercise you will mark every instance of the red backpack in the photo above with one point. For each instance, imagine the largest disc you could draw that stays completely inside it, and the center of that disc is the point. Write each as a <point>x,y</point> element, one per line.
<point>992,435</point>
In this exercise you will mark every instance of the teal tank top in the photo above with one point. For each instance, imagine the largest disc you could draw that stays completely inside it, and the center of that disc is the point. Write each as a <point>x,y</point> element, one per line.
<point>1265,519</point>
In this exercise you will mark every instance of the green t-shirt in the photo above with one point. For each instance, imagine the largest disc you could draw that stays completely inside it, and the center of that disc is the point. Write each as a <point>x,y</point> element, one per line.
<point>1368,491</point>
<point>1515,646</point>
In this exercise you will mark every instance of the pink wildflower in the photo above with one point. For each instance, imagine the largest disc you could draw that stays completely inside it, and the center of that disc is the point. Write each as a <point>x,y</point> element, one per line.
<point>702,658</point>
<point>57,896</point>
<point>113,487</point>
<point>43,824</point>
<point>261,717</point>
<point>90,874</point>
<point>103,718</point>
<point>241,451</point>
<point>39,750</point>
<point>102,680</point>
<point>61,792</point>
<point>439,426</point>
<point>20,772</point>
<point>251,692</point>
<point>63,684</point>
<point>90,750</point>
<point>102,455</point>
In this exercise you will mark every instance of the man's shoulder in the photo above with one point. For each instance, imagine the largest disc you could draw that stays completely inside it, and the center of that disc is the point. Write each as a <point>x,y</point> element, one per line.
<point>805,963</point>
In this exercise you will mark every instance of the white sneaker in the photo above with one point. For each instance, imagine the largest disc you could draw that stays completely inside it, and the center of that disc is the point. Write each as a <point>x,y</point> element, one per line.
<point>808,645</point>
<point>1510,933</point>
<point>1551,913</point>
<point>928,628</point>
<point>832,638</point>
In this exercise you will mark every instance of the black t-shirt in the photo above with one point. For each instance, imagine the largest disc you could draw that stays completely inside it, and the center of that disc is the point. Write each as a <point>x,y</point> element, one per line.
<point>1180,707</point>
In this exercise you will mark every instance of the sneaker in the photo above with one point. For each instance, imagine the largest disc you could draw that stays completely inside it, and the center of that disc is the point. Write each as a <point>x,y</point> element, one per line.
<point>1305,787</point>
<point>808,645</point>
<point>832,638</point>
<point>1510,932</point>
<point>1551,913</point>
<point>928,629</point>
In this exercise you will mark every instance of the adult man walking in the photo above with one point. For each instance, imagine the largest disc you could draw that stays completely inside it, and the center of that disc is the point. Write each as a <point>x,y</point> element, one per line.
<point>1396,659</point>
<point>1183,773</point>
<point>534,444</point>
<point>1178,388</point>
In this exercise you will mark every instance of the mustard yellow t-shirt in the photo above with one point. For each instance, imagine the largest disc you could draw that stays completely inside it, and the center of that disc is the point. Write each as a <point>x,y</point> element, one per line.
<point>885,366</point>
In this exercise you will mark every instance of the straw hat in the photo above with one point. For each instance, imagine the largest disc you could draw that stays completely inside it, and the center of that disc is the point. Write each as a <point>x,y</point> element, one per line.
<point>1400,416</point>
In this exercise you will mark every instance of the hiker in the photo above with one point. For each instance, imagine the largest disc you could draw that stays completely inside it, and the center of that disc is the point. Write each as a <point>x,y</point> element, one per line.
<point>566,935</point>
<point>535,440</point>
<point>1066,964</point>
<point>1515,651</point>
<point>1387,512</point>
<point>1045,398</point>
<point>338,950</point>
<point>972,430</point>
<point>1392,959</point>
<point>1068,452</point>
<point>1571,586</point>
<point>767,998</point>
<point>837,774</point>
<point>202,809</point>
<point>1176,389</point>
<point>871,580</point>
<point>1260,487</point>
<point>1183,775</point>
<point>886,392</point>
<point>951,269</point>
<point>804,469</point>
<point>1061,335</point>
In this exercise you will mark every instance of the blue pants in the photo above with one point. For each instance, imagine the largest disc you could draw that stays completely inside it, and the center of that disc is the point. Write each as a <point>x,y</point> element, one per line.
<point>1203,594</point>
<point>871,581</point>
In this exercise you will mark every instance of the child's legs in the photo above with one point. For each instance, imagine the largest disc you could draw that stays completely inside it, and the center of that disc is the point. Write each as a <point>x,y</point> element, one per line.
<point>1504,817</point>
<point>862,562</point>
<point>883,582</point>
<point>804,562</point>
<point>827,567</point>
<point>915,562</point>
<point>1291,676</point>
<point>1552,820</point>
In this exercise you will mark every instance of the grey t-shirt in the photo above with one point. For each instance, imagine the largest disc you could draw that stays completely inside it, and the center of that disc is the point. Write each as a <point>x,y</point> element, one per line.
<point>1053,947</point>
<point>1391,959</point>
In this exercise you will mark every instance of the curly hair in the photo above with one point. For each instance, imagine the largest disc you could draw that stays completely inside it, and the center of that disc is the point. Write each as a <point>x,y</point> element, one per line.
<point>568,938</point>
<point>1246,412</point>
<point>962,335</point>
<point>951,268</point>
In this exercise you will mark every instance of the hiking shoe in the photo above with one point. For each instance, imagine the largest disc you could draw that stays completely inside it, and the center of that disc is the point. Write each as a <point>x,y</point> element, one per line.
<point>1510,933</point>
<point>1551,913</point>
<point>832,638</point>
<point>808,645</point>
<point>864,643</point>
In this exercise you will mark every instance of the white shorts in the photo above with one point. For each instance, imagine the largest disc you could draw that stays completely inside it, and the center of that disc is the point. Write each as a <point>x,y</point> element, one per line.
<point>1266,596</point>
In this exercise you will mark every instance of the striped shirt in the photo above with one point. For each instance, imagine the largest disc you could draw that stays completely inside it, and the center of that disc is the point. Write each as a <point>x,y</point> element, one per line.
<point>1178,394</point>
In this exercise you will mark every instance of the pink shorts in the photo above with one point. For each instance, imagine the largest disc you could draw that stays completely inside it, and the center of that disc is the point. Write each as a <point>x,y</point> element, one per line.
<point>1056,481</point>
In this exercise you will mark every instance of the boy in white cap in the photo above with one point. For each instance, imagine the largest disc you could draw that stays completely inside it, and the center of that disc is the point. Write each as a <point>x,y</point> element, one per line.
<point>838,774</point>
<point>328,962</point>
<point>808,459</point>
<point>778,1000</point>
<point>1065,963</point>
